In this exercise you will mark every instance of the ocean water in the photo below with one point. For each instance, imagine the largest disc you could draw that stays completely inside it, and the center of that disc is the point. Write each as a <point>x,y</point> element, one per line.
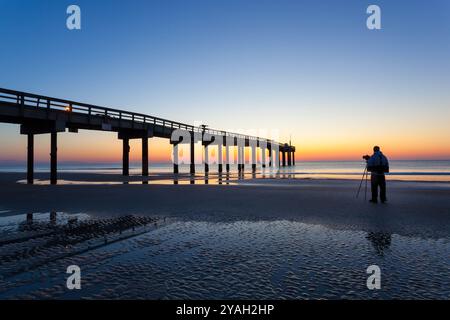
<point>406,170</point>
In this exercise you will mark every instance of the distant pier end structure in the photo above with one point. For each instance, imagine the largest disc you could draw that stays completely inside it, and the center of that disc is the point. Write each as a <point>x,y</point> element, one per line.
<point>39,114</point>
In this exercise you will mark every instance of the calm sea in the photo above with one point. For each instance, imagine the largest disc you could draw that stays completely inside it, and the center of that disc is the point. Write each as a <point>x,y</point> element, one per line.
<point>411,170</point>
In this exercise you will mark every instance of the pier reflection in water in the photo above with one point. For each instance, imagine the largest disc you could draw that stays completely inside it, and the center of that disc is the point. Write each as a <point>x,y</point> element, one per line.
<point>228,178</point>
<point>28,241</point>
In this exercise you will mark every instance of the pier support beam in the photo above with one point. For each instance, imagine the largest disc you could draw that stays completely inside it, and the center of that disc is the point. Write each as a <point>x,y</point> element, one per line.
<point>277,158</point>
<point>289,158</point>
<point>227,158</point>
<point>293,158</point>
<point>240,158</point>
<point>192,153</point>
<point>30,128</point>
<point>270,157</point>
<point>125,135</point>
<point>30,159</point>
<point>206,159</point>
<point>243,159</point>
<point>53,158</point>
<point>125,156</point>
<point>145,156</point>
<point>175,158</point>
<point>219,158</point>
<point>263,157</point>
<point>283,155</point>
<point>253,159</point>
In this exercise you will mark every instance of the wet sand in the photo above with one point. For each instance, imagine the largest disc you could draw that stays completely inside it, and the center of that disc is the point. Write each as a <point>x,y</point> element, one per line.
<point>277,237</point>
<point>414,208</point>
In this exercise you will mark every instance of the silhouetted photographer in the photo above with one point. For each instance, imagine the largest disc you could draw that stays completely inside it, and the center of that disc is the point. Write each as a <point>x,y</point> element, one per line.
<point>377,165</point>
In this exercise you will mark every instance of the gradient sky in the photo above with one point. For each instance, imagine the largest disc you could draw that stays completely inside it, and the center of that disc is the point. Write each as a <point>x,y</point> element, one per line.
<point>310,69</point>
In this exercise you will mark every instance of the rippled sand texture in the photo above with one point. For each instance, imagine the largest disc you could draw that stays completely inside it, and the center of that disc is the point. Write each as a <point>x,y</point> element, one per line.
<point>214,260</point>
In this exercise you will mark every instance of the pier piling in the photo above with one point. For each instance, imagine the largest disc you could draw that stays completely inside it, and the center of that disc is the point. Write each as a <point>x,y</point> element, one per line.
<point>253,159</point>
<point>206,158</point>
<point>175,158</point>
<point>192,169</point>
<point>219,158</point>
<point>53,158</point>
<point>125,156</point>
<point>270,156</point>
<point>30,158</point>
<point>145,156</point>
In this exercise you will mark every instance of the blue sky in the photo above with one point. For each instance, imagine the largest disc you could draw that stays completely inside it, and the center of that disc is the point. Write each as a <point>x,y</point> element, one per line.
<point>308,68</point>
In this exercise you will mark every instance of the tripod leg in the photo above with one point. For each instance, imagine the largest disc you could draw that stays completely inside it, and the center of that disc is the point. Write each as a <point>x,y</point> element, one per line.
<point>367,177</point>
<point>360,184</point>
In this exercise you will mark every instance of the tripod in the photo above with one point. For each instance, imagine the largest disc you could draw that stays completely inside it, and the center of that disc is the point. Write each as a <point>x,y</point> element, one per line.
<point>366,175</point>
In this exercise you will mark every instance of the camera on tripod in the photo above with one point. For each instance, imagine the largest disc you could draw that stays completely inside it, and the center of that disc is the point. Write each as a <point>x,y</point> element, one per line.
<point>366,157</point>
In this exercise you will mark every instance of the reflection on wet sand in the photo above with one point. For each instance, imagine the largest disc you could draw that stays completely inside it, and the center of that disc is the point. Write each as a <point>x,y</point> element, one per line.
<point>40,238</point>
<point>182,179</point>
<point>121,258</point>
<point>380,241</point>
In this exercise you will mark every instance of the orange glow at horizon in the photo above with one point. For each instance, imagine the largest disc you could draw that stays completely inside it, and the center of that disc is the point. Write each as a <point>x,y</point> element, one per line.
<point>104,147</point>
<point>396,150</point>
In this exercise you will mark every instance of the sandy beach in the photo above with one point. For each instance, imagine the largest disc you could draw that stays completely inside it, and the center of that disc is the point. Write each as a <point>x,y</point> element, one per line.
<point>414,208</point>
<point>318,223</point>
